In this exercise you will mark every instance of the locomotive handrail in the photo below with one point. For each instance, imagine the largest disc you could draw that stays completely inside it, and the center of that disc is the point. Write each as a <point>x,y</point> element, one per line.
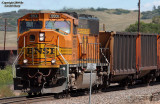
<point>61,54</point>
<point>106,60</point>
<point>19,55</point>
<point>65,62</point>
<point>104,55</point>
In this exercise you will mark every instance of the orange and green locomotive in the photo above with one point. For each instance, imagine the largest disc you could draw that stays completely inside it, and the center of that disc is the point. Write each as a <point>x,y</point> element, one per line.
<point>53,51</point>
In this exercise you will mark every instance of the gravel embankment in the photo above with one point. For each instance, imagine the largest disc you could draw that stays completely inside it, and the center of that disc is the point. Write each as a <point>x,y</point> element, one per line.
<point>139,95</point>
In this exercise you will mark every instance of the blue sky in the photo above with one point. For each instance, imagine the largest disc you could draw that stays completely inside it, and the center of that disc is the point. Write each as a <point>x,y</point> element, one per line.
<point>59,4</point>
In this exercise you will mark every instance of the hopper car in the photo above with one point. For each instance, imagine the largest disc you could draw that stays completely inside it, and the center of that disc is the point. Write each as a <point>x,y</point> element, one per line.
<point>55,47</point>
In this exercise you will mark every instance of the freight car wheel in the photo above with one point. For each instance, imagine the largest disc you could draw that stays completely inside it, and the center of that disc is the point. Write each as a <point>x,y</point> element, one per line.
<point>146,80</point>
<point>124,84</point>
<point>95,89</point>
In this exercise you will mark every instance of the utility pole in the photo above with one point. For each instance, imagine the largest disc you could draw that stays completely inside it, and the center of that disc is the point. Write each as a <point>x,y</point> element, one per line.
<point>139,15</point>
<point>5,29</point>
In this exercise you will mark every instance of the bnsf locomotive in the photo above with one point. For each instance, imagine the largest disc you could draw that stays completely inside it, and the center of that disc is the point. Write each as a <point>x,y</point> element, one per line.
<point>55,47</point>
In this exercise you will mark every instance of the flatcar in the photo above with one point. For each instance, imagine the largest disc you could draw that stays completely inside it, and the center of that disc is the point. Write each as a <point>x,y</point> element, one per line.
<point>55,47</point>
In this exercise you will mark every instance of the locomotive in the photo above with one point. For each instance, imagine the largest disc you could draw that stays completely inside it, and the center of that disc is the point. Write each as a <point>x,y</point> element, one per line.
<point>53,51</point>
<point>55,47</point>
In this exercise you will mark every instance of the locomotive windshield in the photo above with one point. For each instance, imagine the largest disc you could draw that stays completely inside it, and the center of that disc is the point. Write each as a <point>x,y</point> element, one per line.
<point>61,25</point>
<point>27,25</point>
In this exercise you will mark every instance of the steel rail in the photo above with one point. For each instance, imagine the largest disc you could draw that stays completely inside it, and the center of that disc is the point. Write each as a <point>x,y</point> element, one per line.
<point>25,99</point>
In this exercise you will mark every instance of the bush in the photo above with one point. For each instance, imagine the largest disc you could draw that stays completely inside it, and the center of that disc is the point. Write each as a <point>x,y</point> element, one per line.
<point>6,75</point>
<point>156,20</point>
<point>144,27</point>
<point>101,9</point>
<point>120,11</point>
<point>151,14</point>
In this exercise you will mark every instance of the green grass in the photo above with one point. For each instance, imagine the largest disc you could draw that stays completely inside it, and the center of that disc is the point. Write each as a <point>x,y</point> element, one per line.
<point>6,83</point>
<point>6,80</point>
<point>6,76</point>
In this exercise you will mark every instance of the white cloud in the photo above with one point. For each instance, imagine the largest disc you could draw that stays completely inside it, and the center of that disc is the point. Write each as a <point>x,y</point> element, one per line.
<point>149,6</point>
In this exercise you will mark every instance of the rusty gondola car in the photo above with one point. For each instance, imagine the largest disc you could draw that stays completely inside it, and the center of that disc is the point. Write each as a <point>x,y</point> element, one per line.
<point>55,47</point>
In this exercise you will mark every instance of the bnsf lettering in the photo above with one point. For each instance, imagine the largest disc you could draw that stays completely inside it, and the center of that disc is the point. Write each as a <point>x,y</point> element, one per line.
<point>40,50</point>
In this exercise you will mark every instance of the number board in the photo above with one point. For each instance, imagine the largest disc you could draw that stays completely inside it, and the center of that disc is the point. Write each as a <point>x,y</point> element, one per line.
<point>54,16</point>
<point>34,16</point>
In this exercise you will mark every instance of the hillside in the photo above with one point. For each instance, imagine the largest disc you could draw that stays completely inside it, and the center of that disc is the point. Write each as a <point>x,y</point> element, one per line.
<point>151,14</point>
<point>114,19</point>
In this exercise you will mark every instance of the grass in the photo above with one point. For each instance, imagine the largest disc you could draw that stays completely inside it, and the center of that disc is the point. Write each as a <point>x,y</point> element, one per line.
<point>6,83</point>
<point>5,91</point>
<point>6,80</point>
<point>6,76</point>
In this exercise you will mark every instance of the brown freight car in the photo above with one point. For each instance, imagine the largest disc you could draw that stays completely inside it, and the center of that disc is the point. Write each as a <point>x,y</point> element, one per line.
<point>132,56</point>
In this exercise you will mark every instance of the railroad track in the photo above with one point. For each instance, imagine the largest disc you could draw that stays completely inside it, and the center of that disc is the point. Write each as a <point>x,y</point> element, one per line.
<point>50,97</point>
<point>25,99</point>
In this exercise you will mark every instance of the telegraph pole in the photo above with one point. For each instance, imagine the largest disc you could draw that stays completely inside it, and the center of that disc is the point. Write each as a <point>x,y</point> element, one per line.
<point>5,29</point>
<point>139,15</point>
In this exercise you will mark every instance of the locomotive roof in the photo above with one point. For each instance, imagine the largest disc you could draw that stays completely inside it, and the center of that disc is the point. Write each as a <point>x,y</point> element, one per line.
<point>73,14</point>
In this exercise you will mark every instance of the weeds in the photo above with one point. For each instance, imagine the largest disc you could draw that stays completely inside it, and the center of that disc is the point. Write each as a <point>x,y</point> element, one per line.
<point>6,75</point>
<point>5,91</point>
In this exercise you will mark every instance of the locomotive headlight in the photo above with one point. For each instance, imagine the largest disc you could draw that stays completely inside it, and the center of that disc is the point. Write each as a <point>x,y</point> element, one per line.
<point>41,36</point>
<point>25,61</point>
<point>53,61</point>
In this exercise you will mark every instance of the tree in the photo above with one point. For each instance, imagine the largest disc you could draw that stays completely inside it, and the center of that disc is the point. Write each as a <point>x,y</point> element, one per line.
<point>154,7</point>
<point>144,27</point>
<point>156,20</point>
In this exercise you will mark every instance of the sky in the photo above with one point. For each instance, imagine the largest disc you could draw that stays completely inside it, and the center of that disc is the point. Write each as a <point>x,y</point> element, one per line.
<point>77,4</point>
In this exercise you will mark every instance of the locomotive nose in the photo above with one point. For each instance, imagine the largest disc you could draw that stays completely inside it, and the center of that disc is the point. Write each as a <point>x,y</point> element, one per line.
<point>38,49</point>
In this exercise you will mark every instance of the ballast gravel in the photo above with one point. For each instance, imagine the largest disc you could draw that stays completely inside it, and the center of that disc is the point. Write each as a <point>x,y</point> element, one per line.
<point>138,95</point>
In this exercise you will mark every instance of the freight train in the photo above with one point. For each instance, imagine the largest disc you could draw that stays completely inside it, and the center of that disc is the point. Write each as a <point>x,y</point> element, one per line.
<point>55,47</point>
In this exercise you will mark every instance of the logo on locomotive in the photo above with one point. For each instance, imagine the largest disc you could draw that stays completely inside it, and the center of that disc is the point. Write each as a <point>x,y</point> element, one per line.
<point>40,50</point>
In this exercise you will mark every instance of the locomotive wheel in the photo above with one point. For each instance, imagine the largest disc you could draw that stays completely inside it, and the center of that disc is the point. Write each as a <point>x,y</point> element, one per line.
<point>58,96</point>
<point>29,94</point>
<point>35,94</point>
<point>61,95</point>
